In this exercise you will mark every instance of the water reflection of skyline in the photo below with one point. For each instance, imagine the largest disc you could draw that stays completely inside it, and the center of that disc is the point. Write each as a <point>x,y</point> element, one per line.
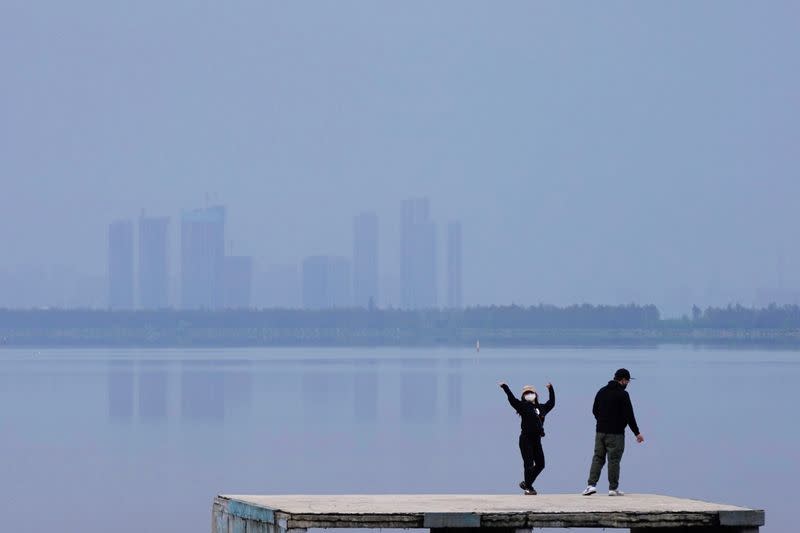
<point>202,391</point>
<point>454,407</point>
<point>152,387</point>
<point>324,395</point>
<point>365,395</point>
<point>419,390</point>
<point>418,396</point>
<point>212,391</point>
<point>120,390</point>
<point>208,391</point>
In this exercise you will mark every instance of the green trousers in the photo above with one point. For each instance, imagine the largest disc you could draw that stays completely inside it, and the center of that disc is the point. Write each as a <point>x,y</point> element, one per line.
<point>607,444</point>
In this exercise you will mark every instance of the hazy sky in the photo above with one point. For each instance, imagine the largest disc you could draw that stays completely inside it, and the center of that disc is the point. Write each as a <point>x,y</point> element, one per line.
<point>593,150</point>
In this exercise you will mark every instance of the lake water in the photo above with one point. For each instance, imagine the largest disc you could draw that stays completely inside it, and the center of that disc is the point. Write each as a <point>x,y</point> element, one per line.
<point>141,440</point>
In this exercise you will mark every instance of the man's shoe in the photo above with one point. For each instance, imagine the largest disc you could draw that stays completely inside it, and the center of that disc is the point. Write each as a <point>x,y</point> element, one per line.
<point>616,492</point>
<point>589,490</point>
<point>530,492</point>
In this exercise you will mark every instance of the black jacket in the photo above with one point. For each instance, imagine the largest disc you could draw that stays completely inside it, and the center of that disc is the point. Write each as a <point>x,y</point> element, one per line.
<point>532,414</point>
<point>613,410</point>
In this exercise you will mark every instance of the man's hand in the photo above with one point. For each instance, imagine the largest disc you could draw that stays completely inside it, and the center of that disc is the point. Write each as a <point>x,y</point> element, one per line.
<point>501,383</point>
<point>640,438</point>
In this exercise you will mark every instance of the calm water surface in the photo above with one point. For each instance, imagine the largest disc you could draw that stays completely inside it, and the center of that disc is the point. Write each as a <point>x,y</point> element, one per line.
<point>141,440</point>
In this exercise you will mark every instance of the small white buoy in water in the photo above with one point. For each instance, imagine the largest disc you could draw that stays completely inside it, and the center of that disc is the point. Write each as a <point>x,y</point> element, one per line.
<point>478,346</point>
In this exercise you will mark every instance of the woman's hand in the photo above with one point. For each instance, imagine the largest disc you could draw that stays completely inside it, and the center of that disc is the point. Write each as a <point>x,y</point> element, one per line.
<point>502,384</point>
<point>549,385</point>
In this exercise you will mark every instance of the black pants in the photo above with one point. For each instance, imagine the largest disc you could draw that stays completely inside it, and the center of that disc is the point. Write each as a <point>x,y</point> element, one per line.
<point>530,446</point>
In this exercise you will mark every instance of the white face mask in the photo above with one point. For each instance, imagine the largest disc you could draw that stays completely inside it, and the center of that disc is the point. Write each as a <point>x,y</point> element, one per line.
<point>531,397</point>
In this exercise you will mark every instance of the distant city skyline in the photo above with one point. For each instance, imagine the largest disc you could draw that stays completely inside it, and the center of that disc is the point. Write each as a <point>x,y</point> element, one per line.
<point>273,285</point>
<point>211,278</point>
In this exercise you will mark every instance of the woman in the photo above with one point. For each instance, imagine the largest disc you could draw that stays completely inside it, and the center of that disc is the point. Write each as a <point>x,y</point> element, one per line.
<point>532,414</point>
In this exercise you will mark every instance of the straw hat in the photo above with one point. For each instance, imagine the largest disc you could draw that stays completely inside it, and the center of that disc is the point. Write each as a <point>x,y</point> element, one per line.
<point>528,388</point>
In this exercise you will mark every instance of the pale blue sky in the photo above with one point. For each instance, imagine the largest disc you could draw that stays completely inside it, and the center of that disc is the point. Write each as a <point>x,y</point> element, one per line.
<point>593,150</point>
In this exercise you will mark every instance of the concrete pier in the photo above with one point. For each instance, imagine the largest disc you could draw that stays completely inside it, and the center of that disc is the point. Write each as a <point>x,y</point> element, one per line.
<point>446,513</point>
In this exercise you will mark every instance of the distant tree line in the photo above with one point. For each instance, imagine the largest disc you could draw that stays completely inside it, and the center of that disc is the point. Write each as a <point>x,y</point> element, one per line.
<point>509,325</point>
<point>513,316</point>
<point>740,317</point>
<point>510,316</point>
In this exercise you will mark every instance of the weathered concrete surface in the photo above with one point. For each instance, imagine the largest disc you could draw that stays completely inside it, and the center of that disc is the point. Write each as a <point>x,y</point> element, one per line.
<point>278,514</point>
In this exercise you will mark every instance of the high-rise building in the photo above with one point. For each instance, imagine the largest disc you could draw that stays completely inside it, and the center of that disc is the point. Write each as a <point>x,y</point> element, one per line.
<point>120,265</point>
<point>326,282</point>
<point>238,281</point>
<point>153,262</point>
<point>417,255</point>
<point>365,260</point>
<point>203,258</point>
<point>454,265</point>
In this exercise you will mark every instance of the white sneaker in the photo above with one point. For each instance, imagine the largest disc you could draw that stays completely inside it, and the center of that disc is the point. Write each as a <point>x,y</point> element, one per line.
<point>616,493</point>
<point>589,490</point>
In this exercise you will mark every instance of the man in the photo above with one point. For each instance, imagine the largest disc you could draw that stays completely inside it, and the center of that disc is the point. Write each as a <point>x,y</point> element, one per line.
<point>613,411</point>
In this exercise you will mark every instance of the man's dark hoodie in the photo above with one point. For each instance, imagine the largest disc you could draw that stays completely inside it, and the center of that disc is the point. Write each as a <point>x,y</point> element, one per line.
<point>613,410</point>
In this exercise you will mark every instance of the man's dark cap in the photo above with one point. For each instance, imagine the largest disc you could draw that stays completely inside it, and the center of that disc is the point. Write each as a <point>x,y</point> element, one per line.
<point>622,373</point>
